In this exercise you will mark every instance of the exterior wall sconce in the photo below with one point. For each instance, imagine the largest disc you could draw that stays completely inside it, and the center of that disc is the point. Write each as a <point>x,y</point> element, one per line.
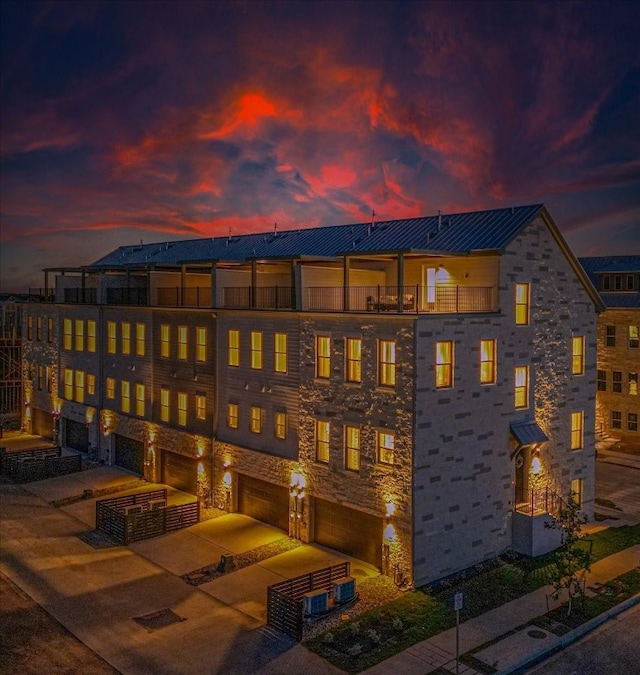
<point>296,503</point>
<point>227,481</point>
<point>391,509</point>
<point>536,466</point>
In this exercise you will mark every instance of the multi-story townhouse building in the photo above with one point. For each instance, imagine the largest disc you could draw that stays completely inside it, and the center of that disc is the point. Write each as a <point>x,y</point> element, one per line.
<point>617,279</point>
<point>416,393</point>
<point>10,362</point>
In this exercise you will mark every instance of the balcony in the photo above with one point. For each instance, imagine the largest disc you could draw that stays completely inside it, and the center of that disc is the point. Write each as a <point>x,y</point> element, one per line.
<point>262,297</point>
<point>534,512</point>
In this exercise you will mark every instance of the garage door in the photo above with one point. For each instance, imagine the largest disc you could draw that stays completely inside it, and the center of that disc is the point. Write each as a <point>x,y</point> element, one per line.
<point>42,423</point>
<point>129,454</point>
<point>264,501</point>
<point>76,435</point>
<point>180,472</point>
<point>352,532</point>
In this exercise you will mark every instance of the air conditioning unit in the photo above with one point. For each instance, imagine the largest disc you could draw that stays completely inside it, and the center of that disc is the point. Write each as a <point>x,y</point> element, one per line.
<point>344,590</point>
<point>155,504</point>
<point>315,602</point>
<point>133,509</point>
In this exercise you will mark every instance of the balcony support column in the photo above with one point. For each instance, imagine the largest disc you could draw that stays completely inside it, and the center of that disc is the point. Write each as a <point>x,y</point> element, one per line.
<point>345,283</point>
<point>183,271</point>
<point>46,284</point>
<point>400,280</point>
<point>214,285</point>
<point>254,284</point>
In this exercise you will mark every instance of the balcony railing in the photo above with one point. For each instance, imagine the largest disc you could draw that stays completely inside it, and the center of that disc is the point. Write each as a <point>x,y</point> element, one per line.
<point>40,295</point>
<point>87,296</point>
<point>127,296</point>
<point>537,502</point>
<point>262,297</point>
<point>188,296</point>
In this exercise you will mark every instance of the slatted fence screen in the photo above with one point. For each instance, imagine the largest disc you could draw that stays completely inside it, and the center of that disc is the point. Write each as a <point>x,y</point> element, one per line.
<point>35,464</point>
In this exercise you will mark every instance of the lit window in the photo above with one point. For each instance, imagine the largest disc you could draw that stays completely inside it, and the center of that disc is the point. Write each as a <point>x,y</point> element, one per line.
<point>633,384</point>
<point>632,421</point>
<point>201,406</point>
<point>354,360</point>
<point>522,387</point>
<point>140,400</point>
<point>616,419</point>
<point>233,357</point>
<point>182,342</point>
<point>522,304</point>
<point>79,386</point>
<point>91,335</point>
<point>140,337</point>
<point>386,445</point>
<point>232,415</point>
<point>201,344</point>
<point>610,336</point>
<point>68,384</point>
<point>280,427</point>
<point>164,340</point>
<point>602,380</point>
<point>182,408</point>
<point>164,404</point>
<point>91,385</point>
<point>125,396</point>
<point>487,361</point>
<point>352,448</point>
<point>444,364</point>
<point>126,337</point>
<point>616,383</point>
<point>322,441</point>
<point>111,387</point>
<point>577,355</point>
<point>323,357</point>
<point>256,419</point>
<point>39,328</point>
<point>387,363</point>
<point>256,349</point>
<point>67,333</point>
<point>634,339</point>
<point>79,335</point>
<point>280,353</point>
<point>30,331</point>
<point>111,337</point>
<point>49,330</point>
<point>577,430</point>
<point>576,491</point>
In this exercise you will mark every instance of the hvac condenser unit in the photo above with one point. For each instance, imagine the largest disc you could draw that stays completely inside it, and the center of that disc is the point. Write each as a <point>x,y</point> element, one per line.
<point>133,509</point>
<point>154,504</point>
<point>344,589</point>
<point>315,602</point>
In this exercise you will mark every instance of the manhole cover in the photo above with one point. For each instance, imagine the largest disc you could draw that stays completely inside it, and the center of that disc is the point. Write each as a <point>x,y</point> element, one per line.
<point>159,619</point>
<point>537,634</point>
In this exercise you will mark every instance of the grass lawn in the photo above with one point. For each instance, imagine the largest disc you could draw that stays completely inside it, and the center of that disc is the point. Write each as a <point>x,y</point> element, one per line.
<point>378,634</point>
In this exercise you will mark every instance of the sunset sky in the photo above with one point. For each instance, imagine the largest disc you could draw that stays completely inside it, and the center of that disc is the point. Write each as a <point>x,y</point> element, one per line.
<point>123,121</point>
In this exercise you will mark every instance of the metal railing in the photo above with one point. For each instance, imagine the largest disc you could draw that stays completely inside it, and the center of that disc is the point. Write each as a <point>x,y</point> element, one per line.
<point>127,296</point>
<point>187,296</point>
<point>41,295</point>
<point>261,297</point>
<point>537,502</point>
<point>83,296</point>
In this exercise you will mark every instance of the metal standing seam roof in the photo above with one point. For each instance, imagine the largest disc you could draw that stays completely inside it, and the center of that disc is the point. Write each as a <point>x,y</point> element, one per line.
<point>597,265</point>
<point>528,432</point>
<point>446,234</point>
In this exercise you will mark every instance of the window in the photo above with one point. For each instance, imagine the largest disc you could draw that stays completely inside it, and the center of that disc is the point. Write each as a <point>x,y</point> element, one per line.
<point>610,340</point>
<point>140,335</point>
<point>79,335</point>
<point>386,445</point>
<point>201,344</point>
<point>280,353</point>
<point>40,377</point>
<point>49,329</point>
<point>352,448</point>
<point>140,400</point>
<point>323,430</point>
<point>182,342</point>
<point>280,428</point>
<point>354,360</point>
<point>67,333</point>
<point>387,363</point>
<point>111,337</point>
<point>201,406</point>
<point>164,404</point>
<point>576,491</point>
<point>606,282</point>
<point>182,408</point>
<point>630,282</point>
<point>323,357</point>
<point>91,385</point>
<point>633,384</point>
<point>125,396</point>
<point>617,282</point>
<point>39,328</point>
<point>111,387</point>
<point>30,329</point>
<point>68,384</point>
<point>522,304</point>
<point>256,349</point>
<point>577,430</point>
<point>233,357</point>
<point>164,341</point>
<point>577,355</point>
<point>256,419</point>
<point>488,361</point>
<point>632,421</point>
<point>444,364</point>
<point>616,419</point>
<point>126,337</point>
<point>616,385</point>
<point>602,380</point>
<point>634,339</point>
<point>91,335</point>
<point>232,415</point>
<point>79,386</point>
<point>522,387</point>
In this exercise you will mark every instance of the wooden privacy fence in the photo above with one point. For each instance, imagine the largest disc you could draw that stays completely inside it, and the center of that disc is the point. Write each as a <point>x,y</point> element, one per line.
<point>26,466</point>
<point>285,599</point>
<point>143,515</point>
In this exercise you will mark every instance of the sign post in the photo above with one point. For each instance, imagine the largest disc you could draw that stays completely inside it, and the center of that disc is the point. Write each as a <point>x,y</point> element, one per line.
<point>457,605</point>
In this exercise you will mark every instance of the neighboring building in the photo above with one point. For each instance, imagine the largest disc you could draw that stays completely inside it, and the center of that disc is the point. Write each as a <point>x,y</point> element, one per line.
<point>417,393</point>
<point>617,279</point>
<point>10,363</point>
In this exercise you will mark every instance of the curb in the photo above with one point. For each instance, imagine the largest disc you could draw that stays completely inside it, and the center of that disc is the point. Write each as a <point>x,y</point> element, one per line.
<point>572,636</point>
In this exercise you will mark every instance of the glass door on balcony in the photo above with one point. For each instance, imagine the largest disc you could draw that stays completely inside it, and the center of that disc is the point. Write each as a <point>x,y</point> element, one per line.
<point>428,295</point>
